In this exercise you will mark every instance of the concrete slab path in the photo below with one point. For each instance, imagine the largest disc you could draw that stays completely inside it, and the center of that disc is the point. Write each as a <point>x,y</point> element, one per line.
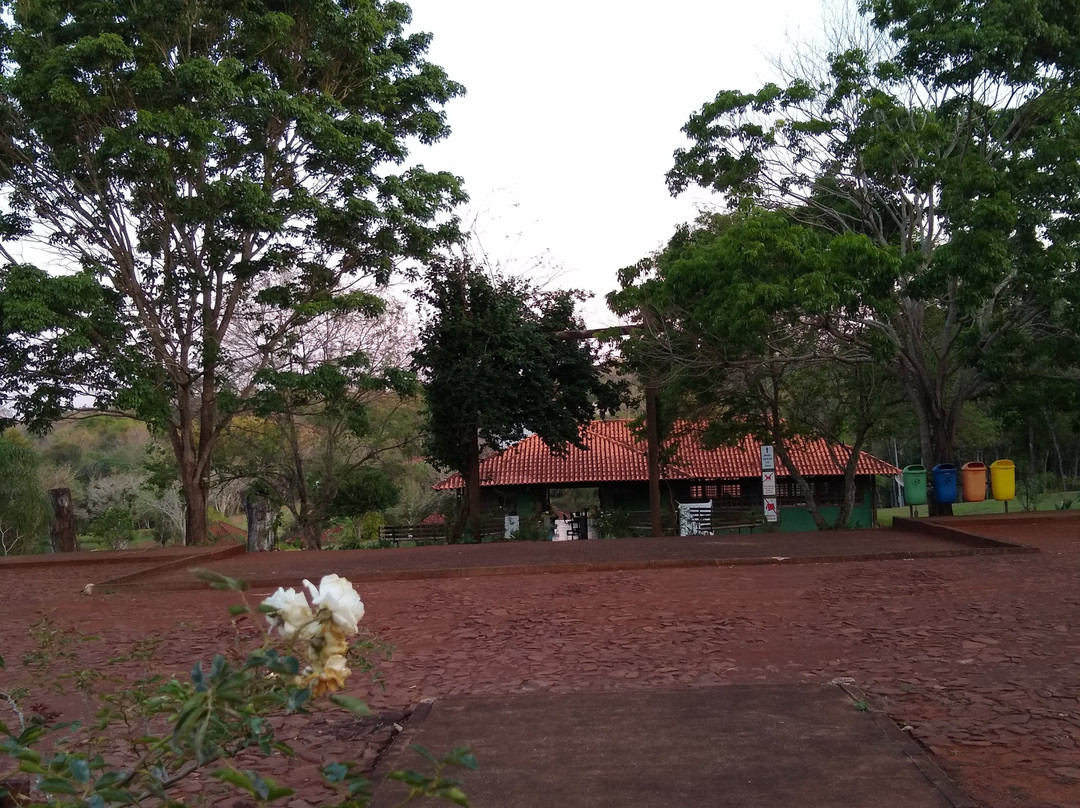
<point>767,746</point>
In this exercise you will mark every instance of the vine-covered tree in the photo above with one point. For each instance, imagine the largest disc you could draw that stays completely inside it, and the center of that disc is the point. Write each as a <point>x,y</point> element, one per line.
<point>495,363</point>
<point>173,163</point>
<point>946,136</point>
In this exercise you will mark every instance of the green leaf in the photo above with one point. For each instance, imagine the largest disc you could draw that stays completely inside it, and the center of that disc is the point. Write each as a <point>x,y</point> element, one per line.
<point>219,581</point>
<point>453,794</point>
<point>297,700</point>
<point>115,795</point>
<point>425,753</point>
<point>461,756</point>
<point>56,785</point>
<point>411,778</point>
<point>79,769</point>
<point>335,772</point>
<point>238,609</point>
<point>242,780</point>
<point>111,778</point>
<point>30,767</point>
<point>351,703</point>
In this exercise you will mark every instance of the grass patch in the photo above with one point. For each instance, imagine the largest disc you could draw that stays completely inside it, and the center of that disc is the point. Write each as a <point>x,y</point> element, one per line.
<point>1046,502</point>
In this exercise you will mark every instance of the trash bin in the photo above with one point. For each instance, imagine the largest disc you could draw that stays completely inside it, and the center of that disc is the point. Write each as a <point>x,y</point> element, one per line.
<point>1003,480</point>
<point>915,485</point>
<point>974,475</point>
<point>945,483</point>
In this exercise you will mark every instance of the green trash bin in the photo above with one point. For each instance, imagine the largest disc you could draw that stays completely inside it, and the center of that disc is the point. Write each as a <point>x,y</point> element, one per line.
<point>915,485</point>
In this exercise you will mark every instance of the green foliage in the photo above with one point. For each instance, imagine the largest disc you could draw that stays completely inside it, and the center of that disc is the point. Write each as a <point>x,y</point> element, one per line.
<point>24,510</point>
<point>494,367</point>
<point>737,315</point>
<point>942,146</point>
<point>437,785</point>
<point>613,523</point>
<point>222,175</point>
<point>362,532</point>
<point>366,489</point>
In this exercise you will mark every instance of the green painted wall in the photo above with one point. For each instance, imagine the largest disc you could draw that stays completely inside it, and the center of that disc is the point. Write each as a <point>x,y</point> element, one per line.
<point>797,520</point>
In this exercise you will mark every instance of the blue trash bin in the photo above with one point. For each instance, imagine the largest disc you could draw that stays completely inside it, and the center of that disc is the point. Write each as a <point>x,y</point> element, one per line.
<point>945,483</point>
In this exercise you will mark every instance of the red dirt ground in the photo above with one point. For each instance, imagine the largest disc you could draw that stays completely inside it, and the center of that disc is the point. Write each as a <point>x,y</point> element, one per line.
<point>979,656</point>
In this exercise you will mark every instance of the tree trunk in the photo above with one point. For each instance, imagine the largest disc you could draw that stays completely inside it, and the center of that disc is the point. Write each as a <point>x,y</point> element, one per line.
<point>472,488</point>
<point>196,524</point>
<point>652,437</point>
<point>311,536</point>
<point>261,524</point>
<point>62,531</point>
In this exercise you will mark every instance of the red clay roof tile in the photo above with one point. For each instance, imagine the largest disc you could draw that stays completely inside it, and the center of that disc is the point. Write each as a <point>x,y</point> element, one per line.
<point>613,454</point>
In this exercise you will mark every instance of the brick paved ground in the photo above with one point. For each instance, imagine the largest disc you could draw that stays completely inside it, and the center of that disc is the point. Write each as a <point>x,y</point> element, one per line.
<point>979,656</point>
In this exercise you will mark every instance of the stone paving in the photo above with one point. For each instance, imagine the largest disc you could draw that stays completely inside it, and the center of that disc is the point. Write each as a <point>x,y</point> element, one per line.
<point>976,657</point>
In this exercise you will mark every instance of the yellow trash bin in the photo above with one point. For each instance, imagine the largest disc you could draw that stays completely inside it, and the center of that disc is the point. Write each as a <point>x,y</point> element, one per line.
<point>1003,480</point>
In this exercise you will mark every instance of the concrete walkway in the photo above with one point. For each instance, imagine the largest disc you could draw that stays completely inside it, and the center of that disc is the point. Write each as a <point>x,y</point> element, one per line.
<point>767,746</point>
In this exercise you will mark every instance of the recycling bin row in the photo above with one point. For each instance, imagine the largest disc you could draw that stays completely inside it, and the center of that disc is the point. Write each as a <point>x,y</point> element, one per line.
<point>1002,482</point>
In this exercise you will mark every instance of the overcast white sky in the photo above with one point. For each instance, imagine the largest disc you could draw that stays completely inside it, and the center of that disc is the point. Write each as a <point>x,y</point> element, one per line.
<point>573,111</point>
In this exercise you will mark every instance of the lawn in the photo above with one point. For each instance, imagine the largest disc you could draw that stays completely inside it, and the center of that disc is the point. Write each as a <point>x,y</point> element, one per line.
<point>1053,500</point>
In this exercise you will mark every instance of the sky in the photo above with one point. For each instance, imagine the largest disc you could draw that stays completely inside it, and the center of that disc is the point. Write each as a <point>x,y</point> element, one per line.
<point>572,113</point>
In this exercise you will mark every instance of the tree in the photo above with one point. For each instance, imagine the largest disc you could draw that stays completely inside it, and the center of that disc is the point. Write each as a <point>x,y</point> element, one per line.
<point>732,342</point>
<point>329,408</point>
<point>494,367</point>
<point>180,161</point>
<point>955,163</point>
<point>24,509</point>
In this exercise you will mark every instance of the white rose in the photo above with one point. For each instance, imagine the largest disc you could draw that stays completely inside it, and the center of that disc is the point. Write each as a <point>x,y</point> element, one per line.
<point>291,611</point>
<point>338,596</point>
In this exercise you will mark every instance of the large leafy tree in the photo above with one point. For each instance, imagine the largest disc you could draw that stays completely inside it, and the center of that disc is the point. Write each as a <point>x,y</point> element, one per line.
<point>950,139</point>
<point>176,161</point>
<point>498,359</point>
<point>732,337</point>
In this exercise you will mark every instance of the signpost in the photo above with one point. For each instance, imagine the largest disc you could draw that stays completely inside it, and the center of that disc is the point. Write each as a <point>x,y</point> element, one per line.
<point>768,483</point>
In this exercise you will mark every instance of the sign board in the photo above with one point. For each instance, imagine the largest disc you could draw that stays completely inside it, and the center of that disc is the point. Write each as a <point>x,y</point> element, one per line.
<point>771,514</point>
<point>768,483</point>
<point>768,462</point>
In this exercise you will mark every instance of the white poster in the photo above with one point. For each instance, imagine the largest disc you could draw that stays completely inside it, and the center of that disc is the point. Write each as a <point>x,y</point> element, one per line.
<point>770,509</point>
<point>768,483</point>
<point>767,461</point>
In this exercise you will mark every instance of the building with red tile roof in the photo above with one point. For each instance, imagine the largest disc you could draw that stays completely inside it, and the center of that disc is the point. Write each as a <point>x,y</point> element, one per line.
<point>613,460</point>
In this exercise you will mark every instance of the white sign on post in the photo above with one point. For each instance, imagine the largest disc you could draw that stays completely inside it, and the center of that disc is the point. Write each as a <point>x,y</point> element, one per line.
<point>768,483</point>
<point>768,463</point>
<point>771,514</point>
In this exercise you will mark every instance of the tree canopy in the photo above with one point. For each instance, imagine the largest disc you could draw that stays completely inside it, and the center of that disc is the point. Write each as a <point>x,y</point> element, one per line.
<point>955,161</point>
<point>496,364</point>
<point>732,336</point>
<point>183,166</point>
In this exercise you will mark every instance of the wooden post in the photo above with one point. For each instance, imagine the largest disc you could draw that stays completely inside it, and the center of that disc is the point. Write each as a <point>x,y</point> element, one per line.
<point>261,530</point>
<point>62,531</point>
